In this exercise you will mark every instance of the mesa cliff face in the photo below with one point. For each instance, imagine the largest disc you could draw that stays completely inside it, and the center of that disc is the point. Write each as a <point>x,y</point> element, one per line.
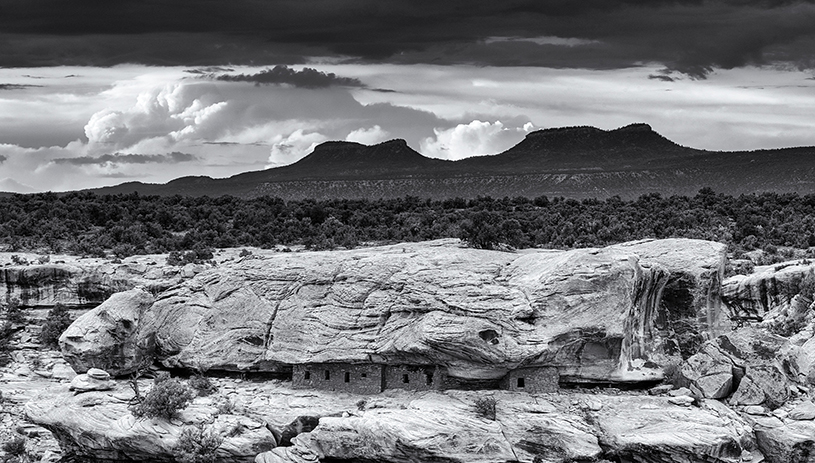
<point>85,283</point>
<point>480,314</point>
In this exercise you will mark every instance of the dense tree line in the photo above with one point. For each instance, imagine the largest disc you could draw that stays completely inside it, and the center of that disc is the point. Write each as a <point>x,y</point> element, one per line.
<point>87,224</point>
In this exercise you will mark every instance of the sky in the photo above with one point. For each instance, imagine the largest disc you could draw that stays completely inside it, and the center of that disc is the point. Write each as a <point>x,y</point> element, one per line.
<point>96,93</point>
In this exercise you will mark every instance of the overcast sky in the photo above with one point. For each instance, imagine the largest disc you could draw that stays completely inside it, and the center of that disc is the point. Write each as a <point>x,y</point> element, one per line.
<point>99,92</point>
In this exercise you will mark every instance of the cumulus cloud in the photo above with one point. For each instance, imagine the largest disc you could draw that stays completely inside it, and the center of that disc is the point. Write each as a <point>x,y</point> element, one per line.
<point>119,158</point>
<point>293,147</point>
<point>174,112</point>
<point>281,74</point>
<point>473,139</point>
<point>369,136</point>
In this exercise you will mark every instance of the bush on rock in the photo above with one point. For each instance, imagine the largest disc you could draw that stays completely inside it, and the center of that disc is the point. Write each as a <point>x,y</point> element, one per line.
<point>56,322</point>
<point>165,399</point>
<point>195,445</point>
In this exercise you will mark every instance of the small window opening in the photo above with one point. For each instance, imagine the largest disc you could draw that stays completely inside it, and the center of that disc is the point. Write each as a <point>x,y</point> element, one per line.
<point>428,378</point>
<point>327,375</point>
<point>347,377</point>
<point>405,378</point>
<point>520,383</point>
<point>307,375</point>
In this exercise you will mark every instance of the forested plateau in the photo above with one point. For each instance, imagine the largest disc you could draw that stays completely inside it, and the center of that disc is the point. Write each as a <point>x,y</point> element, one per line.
<point>84,223</point>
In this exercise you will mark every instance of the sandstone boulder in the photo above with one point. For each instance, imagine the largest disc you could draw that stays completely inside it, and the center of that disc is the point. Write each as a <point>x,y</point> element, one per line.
<point>99,426</point>
<point>85,383</point>
<point>478,313</point>
<point>767,288</point>
<point>759,362</point>
<point>709,372</point>
<point>787,443</point>
<point>803,411</point>
<point>648,429</point>
<point>108,336</point>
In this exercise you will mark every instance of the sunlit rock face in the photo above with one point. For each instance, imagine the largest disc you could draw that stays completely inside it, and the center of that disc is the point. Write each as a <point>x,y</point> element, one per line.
<point>478,313</point>
<point>107,337</point>
<point>85,283</point>
<point>690,309</point>
<point>49,284</point>
<point>767,288</point>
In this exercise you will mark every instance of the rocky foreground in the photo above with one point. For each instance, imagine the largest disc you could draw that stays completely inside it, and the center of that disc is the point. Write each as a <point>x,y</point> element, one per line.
<point>628,315</point>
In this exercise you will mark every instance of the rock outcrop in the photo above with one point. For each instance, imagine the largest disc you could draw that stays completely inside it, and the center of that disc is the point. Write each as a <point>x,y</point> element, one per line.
<point>766,288</point>
<point>749,366</point>
<point>98,425</point>
<point>107,336</point>
<point>86,282</point>
<point>690,309</point>
<point>478,313</point>
<point>399,426</point>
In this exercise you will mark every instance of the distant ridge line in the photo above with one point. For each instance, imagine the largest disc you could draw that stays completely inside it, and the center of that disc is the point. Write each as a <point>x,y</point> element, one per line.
<point>573,162</point>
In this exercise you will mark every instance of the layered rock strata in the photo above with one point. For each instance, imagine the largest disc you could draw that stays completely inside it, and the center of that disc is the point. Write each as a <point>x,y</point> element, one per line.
<point>399,426</point>
<point>477,313</point>
<point>86,282</point>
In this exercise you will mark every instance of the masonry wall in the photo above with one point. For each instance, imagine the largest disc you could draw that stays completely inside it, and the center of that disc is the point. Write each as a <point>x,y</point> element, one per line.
<point>533,380</point>
<point>345,377</point>
<point>415,377</point>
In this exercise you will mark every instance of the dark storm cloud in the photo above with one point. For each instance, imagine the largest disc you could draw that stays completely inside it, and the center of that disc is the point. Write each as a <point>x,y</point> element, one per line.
<point>307,78</point>
<point>16,86</point>
<point>691,36</point>
<point>118,158</point>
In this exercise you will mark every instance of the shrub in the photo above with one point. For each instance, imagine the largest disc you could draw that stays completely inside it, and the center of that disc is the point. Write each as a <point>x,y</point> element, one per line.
<point>198,255</point>
<point>226,407</point>
<point>56,322</point>
<point>195,445</point>
<point>762,350</point>
<point>17,260</point>
<point>202,385</point>
<point>485,407</point>
<point>165,399</point>
<point>361,404</point>
<point>15,314</point>
<point>15,447</point>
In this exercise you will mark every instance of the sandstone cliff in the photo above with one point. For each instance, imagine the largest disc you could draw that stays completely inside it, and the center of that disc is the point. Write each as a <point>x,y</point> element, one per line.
<point>85,282</point>
<point>478,313</point>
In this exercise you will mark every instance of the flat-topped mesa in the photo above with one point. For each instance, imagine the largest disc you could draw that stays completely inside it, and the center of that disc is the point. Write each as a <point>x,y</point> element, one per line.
<point>477,314</point>
<point>338,157</point>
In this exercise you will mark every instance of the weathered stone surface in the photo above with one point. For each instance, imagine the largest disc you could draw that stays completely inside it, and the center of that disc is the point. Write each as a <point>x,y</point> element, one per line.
<point>107,337</point>
<point>478,313</point>
<point>400,426</point>
<point>805,362</point>
<point>83,282</point>
<point>788,443</point>
<point>766,288</point>
<point>803,411</point>
<point>758,361</point>
<point>691,299</point>
<point>710,372</point>
<point>682,400</point>
<point>85,383</point>
<point>96,373</point>
<point>647,429</point>
<point>99,425</point>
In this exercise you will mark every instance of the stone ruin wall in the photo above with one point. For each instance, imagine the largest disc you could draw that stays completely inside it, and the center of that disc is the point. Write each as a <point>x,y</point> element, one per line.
<point>375,378</point>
